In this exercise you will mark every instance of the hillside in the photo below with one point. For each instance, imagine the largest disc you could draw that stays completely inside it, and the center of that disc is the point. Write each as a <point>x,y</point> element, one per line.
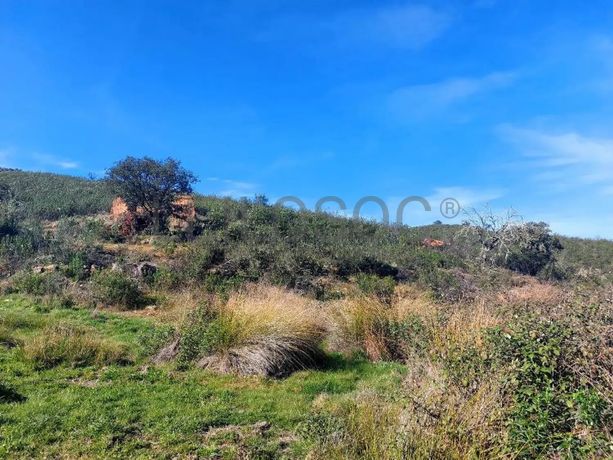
<point>53,196</point>
<point>262,332</point>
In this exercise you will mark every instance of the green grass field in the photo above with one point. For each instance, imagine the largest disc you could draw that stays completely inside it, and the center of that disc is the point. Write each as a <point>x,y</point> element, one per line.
<point>157,411</point>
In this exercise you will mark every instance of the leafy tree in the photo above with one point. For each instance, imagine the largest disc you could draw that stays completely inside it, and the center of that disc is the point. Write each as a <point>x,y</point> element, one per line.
<point>534,250</point>
<point>151,185</point>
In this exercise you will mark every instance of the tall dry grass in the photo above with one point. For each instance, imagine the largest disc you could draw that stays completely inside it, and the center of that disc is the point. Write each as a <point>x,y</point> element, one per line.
<point>264,330</point>
<point>72,345</point>
<point>381,330</point>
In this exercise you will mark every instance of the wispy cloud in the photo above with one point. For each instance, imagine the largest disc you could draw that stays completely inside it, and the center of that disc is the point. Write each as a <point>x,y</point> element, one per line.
<point>467,196</point>
<point>423,101</point>
<point>232,188</point>
<point>52,160</point>
<point>404,26</point>
<point>566,158</point>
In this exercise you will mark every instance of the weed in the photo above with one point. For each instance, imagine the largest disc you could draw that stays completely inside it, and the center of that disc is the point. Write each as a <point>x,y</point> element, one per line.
<point>115,288</point>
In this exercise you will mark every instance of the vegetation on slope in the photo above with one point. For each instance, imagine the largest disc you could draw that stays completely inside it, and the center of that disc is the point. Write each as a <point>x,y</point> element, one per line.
<point>378,346</point>
<point>52,196</point>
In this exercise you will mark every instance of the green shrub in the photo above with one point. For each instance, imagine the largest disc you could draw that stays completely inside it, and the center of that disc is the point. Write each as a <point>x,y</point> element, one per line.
<point>77,267</point>
<point>115,288</point>
<point>534,250</point>
<point>202,332</point>
<point>166,278</point>
<point>551,405</point>
<point>40,284</point>
<point>382,288</point>
<point>154,339</point>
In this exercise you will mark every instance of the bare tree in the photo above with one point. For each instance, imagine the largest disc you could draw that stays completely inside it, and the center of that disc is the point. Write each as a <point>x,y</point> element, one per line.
<point>505,240</point>
<point>494,233</point>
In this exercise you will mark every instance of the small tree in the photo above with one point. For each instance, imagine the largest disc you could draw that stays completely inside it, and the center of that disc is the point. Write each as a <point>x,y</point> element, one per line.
<point>495,234</point>
<point>525,247</point>
<point>151,185</point>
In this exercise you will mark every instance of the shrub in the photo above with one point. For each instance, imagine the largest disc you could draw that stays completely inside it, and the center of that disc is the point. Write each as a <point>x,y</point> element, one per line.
<point>40,284</point>
<point>115,288</point>
<point>533,250</point>
<point>74,346</point>
<point>166,278</point>
<point>551,405</point>
<point>77,267</point>
<point>381,288</point>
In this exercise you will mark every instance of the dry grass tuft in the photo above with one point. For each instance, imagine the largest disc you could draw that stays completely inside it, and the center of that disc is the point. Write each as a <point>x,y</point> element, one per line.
<point>75,346</point>
<point>265,330</point>
<point>382,330</point>
<point>443,420</point>
<point>530,291</point>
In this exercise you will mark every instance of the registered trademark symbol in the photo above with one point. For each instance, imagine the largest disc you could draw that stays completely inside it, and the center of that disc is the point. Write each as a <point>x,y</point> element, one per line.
<point>450,208</point>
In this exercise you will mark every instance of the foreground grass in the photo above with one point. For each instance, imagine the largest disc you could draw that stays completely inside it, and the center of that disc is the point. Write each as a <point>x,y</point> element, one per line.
<point>157,411</point>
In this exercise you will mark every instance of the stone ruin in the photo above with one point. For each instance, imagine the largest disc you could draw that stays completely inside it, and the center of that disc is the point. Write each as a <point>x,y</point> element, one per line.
<point>183,218</point>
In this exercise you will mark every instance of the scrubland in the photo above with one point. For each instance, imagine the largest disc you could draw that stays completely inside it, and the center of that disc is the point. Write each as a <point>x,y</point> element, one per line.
<point>270,333</point>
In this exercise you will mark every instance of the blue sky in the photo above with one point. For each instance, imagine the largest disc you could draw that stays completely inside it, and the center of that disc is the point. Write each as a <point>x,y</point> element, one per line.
<point>502,102</point>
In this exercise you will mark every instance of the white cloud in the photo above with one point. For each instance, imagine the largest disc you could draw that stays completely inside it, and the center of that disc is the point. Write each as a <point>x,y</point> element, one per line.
<point>407,26</point>
<point>467,197</point>
<point>566,159</point>
<point>52,160</point>
<point>233,188</point>
<point>421,101</point>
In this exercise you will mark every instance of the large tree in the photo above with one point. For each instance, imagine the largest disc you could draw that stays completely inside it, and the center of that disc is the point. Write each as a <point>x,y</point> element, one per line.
<point>151,185</point>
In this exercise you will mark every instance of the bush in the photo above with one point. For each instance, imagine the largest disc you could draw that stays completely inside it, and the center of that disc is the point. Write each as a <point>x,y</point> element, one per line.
<point>381,288</point>
<point>40,284</point>
<point>551,405</point>
<point>77,267</point>
<point>73,346</point>
<point>533,250</point>
<point>115,288</point>
<point>166,278</point>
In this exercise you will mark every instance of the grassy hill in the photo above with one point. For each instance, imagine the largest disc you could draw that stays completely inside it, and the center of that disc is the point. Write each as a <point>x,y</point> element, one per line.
<point>52,196</point>
<point>271,333</point>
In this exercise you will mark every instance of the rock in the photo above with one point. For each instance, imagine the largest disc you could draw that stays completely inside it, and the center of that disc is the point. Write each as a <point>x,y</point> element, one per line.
<point>45,268</point>
<point>144,269</point>
<point>167,353</point>
<point>261,427</point>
